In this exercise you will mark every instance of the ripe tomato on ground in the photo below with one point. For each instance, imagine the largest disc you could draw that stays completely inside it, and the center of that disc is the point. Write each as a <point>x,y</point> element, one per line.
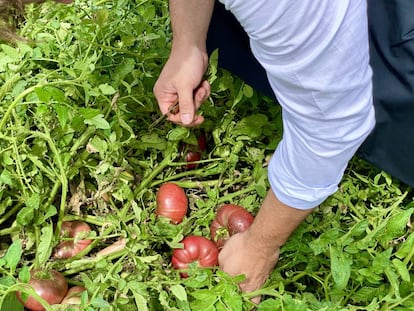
<point>196,249</point>
<point>230,219</point>
<point>172,202</point>
<point>51,285</point>
<point>76,231</point>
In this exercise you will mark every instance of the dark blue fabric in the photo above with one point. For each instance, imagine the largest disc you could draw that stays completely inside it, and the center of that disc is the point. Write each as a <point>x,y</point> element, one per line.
<point>390,147</point>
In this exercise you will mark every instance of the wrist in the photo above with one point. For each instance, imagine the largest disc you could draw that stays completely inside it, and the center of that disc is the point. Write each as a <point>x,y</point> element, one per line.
<point>274,223</point>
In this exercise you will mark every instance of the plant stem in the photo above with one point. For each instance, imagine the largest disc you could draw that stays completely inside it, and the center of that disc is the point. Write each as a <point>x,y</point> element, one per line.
<point>11,212</point>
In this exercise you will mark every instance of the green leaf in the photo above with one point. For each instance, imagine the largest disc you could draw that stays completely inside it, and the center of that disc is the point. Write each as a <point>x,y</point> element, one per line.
<point>406,247</point>
<point>63,115</point>
<point>11,302</point>
<point>13,255</point>
<point>153,141</point>
<point>10,51</point>
<point>204,295</point>
<point>89,113</point>
<point>251,125</point>
<point>340,267</point>
<point>43,95</point>
<point>6,178</point>
<point>99,122</point>
<point>33,201</point>
<point>140,301</point>
<point>401,269</point>
<point>178,133</point>
<point>269,305</point>
<point>24,274</point>
<point>106,89</point>
<point>393,279</point>
<point>395,226</point>
<point>248,91</point>
<point>44,249</point>
<point>97,145</point>
<point>25,216</point>
<point>179,292</point>
<point>99,302</point>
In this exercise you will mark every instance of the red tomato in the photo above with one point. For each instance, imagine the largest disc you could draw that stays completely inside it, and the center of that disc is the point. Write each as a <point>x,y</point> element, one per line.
<point>50,285</point>
<point>75,230</point>
<point>172,202</point>
<point>230,219</point>
<point>196,249</point>
<point>193,152</point>
<point>192,156</point>
<point>73,296</point>
<point>202,142</point>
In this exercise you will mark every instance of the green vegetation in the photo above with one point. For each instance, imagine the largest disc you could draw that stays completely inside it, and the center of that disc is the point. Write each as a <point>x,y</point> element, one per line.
<point>76,106</point>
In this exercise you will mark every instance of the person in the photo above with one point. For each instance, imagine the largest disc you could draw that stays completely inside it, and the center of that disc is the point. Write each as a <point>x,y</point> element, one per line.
<point>390,28</point>
<point>316,58</point>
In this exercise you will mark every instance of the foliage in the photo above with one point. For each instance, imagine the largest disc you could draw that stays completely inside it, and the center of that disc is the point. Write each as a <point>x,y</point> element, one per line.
<point>75,144</point>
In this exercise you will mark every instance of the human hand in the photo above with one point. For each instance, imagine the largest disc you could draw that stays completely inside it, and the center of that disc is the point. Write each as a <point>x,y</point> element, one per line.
<point>242,254</point>
<point>181,81</point>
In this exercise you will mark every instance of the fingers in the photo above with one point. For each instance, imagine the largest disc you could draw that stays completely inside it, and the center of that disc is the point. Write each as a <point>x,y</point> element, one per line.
<point>189,102</point>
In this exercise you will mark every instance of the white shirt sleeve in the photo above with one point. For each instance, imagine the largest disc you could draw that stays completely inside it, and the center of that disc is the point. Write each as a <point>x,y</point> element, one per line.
<point>315,53</point>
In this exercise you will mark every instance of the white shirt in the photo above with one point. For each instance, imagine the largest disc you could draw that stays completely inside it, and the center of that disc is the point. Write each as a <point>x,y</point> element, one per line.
<point>315,53</point>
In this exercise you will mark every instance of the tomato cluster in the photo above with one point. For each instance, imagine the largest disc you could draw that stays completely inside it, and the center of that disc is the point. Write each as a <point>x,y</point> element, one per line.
<point>230,219</point>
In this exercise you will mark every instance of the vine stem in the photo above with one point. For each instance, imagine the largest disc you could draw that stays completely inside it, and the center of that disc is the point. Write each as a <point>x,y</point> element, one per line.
<point>61,176</point>
<point>27,92</point>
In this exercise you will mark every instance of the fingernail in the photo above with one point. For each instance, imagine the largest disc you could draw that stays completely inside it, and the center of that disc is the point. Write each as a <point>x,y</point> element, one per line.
<point>186,118</point>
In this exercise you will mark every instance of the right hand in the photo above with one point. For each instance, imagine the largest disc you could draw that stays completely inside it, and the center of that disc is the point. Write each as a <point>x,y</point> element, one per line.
<point>181,81</point>
<point>243,254</point>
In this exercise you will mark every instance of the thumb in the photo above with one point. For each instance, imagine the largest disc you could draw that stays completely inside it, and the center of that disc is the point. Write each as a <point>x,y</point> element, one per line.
<point>186,103</point>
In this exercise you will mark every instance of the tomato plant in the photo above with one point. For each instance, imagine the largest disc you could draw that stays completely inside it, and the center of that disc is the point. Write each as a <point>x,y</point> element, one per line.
<point>196,249</point>
<point>51,285</point>
<point>172,202</point>
<point>230,219</point>
<point>76,231</point>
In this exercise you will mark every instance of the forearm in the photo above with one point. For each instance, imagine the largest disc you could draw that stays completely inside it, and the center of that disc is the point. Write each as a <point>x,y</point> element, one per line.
<point>275,222</point>
<point>189,21</point>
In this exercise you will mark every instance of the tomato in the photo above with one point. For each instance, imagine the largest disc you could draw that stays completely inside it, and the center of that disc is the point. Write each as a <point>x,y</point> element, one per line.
<point>172,202</point>
<point>76,230</point>
<point>50,285</point>
<point>230,219</point>
<point>202,142</point>
<point>73,296</point>
<point>192,156</point>
<point>193,152</point>
<point>196,249</point>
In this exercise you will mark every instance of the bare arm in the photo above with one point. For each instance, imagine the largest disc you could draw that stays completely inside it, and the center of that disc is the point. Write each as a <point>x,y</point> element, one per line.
<point>257,249</point>
<point>190,20</point>
<point>181,78</point>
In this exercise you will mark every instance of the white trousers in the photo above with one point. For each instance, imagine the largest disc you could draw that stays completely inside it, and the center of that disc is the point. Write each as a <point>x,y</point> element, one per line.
<point>315,53</point>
